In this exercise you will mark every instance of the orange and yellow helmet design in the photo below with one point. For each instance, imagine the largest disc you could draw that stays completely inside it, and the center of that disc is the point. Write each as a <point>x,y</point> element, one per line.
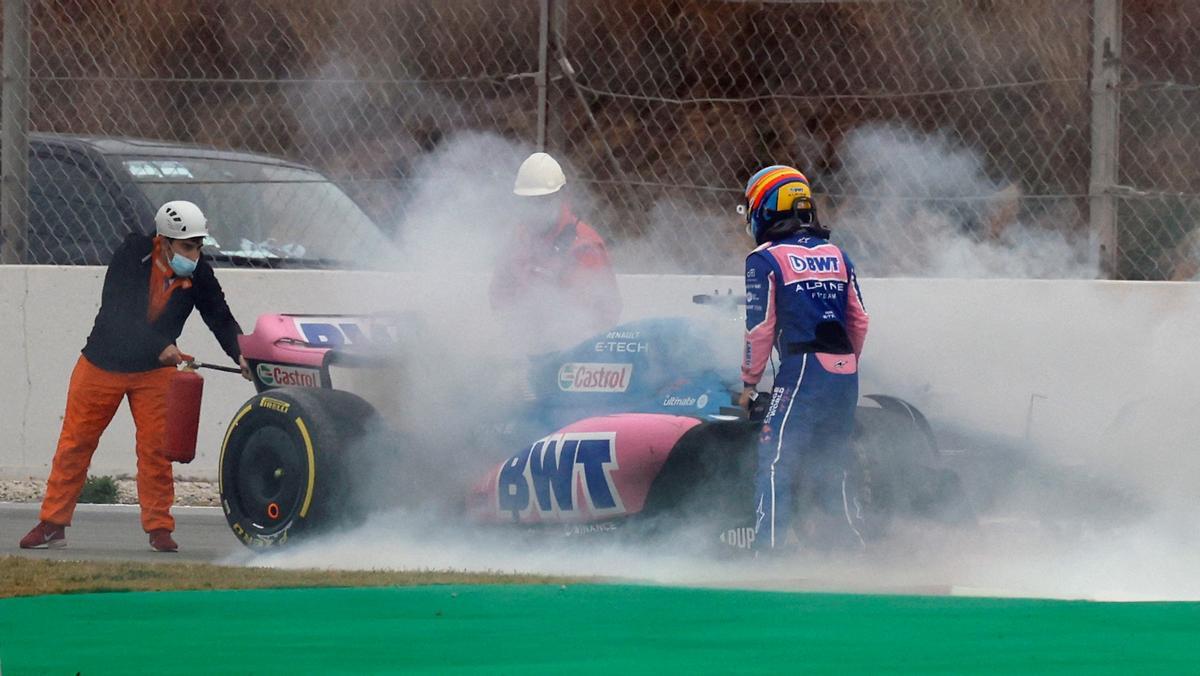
<point>773,193</point>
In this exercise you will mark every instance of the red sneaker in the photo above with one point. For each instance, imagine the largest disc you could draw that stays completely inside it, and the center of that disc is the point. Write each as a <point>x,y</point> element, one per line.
<point>45,534</point>
<point>160,541</point>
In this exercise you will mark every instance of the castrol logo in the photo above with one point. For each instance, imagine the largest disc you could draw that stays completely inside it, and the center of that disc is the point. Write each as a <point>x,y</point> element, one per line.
<point>586,377</point>
<point>277,375</point>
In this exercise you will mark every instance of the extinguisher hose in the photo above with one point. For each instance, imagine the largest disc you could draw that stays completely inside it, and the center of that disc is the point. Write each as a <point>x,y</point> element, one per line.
<point>201,365</point>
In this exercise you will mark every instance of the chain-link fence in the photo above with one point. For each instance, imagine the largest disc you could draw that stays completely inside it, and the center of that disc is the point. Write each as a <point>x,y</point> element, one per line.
<point>943,137</point>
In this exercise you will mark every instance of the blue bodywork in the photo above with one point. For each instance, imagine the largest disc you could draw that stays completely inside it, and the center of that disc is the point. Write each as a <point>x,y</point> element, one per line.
<point>664,365</point>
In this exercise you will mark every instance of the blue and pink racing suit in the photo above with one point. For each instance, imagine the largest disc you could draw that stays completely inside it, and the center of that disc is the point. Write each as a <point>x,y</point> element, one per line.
<point>802,298</point>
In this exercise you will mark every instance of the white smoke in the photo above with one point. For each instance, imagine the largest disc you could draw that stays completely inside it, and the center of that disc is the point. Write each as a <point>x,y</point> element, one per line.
<point>920,206</point>
<point>1069,512</point>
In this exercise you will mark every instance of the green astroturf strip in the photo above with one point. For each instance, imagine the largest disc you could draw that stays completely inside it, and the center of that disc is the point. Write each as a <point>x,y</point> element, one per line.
<point>586,629</point>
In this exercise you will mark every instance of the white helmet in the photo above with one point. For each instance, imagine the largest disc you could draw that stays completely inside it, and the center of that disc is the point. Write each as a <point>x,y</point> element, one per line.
<point>539,175</point>
<point>180,219</point>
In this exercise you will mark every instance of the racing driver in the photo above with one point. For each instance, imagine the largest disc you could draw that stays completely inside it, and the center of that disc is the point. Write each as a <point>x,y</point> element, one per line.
<point>802,299</point>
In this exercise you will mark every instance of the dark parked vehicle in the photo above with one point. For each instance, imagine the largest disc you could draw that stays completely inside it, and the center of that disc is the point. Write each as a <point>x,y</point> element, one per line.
<point>87,192</point>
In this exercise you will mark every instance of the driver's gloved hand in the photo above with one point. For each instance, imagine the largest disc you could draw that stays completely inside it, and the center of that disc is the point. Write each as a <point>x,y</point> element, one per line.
<point>758,407</point>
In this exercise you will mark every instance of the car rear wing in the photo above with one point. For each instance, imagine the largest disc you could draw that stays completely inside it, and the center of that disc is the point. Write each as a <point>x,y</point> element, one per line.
<point>297,350</point>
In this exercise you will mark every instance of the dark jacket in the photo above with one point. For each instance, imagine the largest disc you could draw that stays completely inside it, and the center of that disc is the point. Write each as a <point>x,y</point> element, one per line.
<point>124,340</point>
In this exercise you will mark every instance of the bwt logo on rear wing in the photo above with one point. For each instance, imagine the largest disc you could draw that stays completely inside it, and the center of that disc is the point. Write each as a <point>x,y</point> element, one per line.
<point>357,331</point>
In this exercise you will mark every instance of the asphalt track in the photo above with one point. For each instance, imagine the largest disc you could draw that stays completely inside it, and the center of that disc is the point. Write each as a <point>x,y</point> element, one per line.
<point>114,533</point>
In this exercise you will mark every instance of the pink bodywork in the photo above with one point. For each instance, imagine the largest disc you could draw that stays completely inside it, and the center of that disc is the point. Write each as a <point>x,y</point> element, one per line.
<point>636,444</point>
<point>304,340</point>
<point>277,338</point>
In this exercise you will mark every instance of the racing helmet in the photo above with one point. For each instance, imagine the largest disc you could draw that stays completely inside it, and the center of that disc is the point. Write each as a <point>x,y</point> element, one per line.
<point>760,173</point>
<point>774,194</point>
<point>180,219</point>
<point>539,174</point>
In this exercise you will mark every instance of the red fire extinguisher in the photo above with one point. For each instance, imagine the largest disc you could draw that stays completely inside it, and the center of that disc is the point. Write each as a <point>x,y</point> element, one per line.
<point>183,415</point>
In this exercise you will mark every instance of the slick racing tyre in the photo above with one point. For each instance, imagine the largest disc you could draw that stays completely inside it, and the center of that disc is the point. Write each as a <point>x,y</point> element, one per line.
<point>289,464</point>
<point>899,471</point>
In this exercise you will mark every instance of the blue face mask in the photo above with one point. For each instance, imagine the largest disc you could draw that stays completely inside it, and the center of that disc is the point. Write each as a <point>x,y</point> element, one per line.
<point>183,266</point>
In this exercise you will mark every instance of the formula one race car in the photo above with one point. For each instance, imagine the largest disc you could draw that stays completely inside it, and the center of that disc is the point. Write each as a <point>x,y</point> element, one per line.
<point>632,431</point>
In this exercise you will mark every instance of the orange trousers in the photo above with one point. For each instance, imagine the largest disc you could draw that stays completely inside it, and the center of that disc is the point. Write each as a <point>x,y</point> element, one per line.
<point>92,400</point>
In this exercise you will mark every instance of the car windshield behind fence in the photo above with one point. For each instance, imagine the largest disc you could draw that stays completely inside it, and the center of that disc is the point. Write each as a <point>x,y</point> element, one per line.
<point>262,211</point>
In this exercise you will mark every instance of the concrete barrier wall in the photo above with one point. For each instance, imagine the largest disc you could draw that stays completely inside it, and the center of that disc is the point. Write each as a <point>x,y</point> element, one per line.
<point>1055,361</point>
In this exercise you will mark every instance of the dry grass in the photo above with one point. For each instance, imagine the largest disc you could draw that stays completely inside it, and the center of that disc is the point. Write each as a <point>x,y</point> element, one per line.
<point>20,576</point>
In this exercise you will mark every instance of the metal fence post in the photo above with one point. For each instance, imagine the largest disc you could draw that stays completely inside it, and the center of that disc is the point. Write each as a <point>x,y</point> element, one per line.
<point>555,96</point>
<point>1106,76</point>
<point>542,75</point>
<point>14,141</point>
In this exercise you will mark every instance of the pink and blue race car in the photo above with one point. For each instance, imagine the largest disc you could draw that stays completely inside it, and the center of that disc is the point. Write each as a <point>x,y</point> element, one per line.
<point>630,432</point>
